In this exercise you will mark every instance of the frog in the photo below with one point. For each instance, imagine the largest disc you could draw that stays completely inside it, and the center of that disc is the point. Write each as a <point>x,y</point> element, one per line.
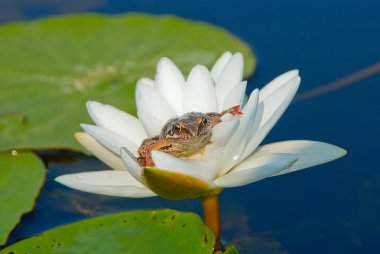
<point>183,136</point>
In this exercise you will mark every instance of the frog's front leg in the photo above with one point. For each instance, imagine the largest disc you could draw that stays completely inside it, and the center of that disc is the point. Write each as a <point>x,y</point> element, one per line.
<point>216,118</point>
<point>145,150</point>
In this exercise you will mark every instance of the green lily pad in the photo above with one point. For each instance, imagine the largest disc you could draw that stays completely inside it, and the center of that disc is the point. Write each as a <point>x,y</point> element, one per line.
<point>21,177</point>
<point>162,231</point>
<point>50,67</point>
<point>230,250</point>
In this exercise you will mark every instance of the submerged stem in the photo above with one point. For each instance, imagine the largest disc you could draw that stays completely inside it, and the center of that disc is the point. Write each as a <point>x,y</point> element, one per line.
<point>212,217</point>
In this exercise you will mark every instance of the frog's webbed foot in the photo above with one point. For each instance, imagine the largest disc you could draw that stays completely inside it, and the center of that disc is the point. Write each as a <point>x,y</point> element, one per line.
<point>216,118</point>
<point>235,110</point>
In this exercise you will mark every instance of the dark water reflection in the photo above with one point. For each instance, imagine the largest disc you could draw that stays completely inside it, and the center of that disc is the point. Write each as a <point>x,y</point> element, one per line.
<point>333,208</point>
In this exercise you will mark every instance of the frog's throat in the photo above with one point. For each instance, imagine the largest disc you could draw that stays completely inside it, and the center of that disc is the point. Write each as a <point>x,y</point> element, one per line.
<point>189,147</point>
<point>186,153</point>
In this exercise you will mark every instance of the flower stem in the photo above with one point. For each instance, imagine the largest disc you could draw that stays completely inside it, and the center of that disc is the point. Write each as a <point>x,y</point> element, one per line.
<point>212,217</point>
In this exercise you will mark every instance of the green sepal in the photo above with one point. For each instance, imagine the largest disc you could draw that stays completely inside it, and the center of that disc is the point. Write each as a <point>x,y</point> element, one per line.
<point>173,185</point>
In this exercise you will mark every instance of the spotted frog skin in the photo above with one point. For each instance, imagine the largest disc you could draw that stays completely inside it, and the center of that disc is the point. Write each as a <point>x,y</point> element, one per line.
<point>183,136</point>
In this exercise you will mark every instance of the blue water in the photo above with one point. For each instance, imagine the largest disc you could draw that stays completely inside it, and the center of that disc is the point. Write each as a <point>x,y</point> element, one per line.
<point>333,208</point>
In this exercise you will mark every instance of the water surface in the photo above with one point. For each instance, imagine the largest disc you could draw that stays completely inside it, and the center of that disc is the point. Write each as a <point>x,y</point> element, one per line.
<point>331,208</point>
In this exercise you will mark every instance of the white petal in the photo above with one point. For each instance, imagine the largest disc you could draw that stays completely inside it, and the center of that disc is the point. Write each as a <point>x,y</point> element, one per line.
<point>235,147</point>
<point>211,157</point>
<point>223,131</point>
<point>184,166</point>
<point>212,154</point>
<point>255,170</point>
<point>111,182</point>
<point>270,109</point>
<point>219,65</point>
<point>235,96</point>
<point>231,76</point>
<point>276,83</point>
<point>245,100</point>
<point>152,124</point>
<point>131,163</point>
<point>150,100</point>
<point>109,139</point>
<point>100,151</point>
<point>200,92</point>
<point>147,82</point>
<point>170,83</point>
<point>282,94</point>
<point>227,117</point>
<point>310,153</point>
<point>115,120</point>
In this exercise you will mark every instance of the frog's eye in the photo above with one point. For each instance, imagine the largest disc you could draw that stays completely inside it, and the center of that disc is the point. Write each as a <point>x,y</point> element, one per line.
<point>170,132</point>
<point>174,130</point>
<point>205,121</point>
<point>177,128</point>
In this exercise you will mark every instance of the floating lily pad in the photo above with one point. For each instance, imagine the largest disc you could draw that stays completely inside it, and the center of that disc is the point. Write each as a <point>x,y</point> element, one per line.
<point>50,67</point>
<point>162,231</point>
<point>231,250</point>
<point>21,178</point>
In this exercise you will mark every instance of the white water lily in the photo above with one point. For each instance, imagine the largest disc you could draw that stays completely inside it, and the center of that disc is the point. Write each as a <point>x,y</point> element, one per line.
<point>233,158</point>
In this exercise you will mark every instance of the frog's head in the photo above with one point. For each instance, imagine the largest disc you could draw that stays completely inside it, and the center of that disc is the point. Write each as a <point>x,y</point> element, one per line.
<point>188,133</point>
